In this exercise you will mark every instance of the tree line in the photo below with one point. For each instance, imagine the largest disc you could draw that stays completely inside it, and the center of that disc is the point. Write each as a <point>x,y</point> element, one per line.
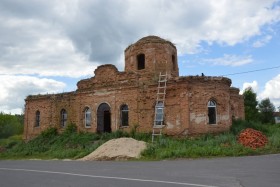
<point>258,111</point>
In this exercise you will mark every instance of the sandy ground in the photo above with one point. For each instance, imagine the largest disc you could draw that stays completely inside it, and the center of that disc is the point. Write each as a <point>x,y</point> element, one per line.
<point>117,149</point>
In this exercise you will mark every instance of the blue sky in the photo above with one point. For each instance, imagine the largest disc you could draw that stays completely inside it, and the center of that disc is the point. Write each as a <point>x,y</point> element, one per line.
<point>260,53</point>
<point>48,46</point>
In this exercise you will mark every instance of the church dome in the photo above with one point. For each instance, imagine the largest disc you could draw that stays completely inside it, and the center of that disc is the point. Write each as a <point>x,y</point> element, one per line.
<point>151,39</point>
<point>152,55</point>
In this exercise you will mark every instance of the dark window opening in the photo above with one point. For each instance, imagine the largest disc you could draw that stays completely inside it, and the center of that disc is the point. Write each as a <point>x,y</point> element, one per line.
<point>212,112</point>
<point>87,117</point>
<point>124,115</point>
<point>140,61</point>
<point>63,118</point>
<point>174,62</point>
<point>37,120</point>
<point>107,121</point>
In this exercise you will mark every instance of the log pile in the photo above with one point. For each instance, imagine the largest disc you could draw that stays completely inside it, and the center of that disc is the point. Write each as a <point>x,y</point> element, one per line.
<point>252,138</point>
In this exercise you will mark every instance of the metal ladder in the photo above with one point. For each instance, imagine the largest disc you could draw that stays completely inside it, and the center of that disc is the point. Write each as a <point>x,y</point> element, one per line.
<point>159,107</point>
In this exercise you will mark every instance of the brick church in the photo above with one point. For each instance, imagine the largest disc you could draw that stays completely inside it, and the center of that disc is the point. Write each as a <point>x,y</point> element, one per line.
<point>112,100</point>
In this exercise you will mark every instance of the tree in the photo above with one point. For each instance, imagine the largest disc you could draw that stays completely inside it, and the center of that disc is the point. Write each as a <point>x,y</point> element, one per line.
<point>250,104</point>
<point>9,125</point>
<point>266,109</point>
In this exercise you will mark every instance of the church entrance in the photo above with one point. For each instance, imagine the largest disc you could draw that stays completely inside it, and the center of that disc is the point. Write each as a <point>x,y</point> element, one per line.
<point>103,118</point>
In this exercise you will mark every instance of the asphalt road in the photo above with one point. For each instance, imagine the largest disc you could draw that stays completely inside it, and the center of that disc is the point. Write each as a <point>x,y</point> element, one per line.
<point>255,171</point>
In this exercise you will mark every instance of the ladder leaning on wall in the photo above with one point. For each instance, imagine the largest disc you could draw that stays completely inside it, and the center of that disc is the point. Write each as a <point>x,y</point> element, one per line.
<point>159,107</point>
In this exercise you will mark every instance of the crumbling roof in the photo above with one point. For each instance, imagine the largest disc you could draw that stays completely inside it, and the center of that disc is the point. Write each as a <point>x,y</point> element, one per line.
<point>151,39</point>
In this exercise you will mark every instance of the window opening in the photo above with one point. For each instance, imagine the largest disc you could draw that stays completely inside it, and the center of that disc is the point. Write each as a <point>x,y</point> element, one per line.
<point>174,62</point>
<point>159,113</point>
<point>107,121</point>
<point>63,117</point>
<point>212,112</point>
<point>37,120</point>
<point>124,115</point>
<point>141,61</point>
<point>87,117</point>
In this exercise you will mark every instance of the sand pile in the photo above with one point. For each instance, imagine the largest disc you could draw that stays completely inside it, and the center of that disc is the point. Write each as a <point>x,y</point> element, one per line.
<point>117,149</point>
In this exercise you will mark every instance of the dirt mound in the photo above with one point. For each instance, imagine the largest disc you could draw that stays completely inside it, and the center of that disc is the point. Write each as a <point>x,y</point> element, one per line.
<point>252,138</point>
<point>117,149</point>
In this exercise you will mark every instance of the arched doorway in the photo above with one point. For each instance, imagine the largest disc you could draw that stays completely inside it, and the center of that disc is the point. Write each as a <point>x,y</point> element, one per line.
<point>103,118</point>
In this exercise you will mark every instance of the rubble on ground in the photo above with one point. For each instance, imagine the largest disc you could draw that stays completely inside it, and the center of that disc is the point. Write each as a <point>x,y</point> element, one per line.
<point>252,138</point>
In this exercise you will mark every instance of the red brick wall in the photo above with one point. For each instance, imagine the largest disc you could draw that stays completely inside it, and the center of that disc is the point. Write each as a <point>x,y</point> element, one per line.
<point>186,110</point>
<point>43,105</point>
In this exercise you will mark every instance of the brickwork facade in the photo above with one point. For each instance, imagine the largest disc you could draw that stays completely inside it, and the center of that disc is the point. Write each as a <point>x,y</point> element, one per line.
<point>113,100</point>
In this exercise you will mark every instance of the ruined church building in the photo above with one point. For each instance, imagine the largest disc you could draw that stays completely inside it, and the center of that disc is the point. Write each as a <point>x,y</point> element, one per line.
<point>113,100</point>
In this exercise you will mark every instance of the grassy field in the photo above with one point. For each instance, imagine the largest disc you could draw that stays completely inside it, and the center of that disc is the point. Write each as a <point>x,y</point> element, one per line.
<point>73,145</point>
<point>68,145</point>
<point>224,144</point>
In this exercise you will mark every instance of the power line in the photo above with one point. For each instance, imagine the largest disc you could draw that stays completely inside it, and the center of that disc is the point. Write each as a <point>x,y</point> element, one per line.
<point>251,71</point>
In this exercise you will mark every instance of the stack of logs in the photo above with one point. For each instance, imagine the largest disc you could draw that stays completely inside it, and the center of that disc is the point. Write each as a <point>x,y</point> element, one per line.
<point>252,138</point>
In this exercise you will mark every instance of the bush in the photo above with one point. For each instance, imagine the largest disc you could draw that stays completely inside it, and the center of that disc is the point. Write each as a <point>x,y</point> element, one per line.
<point>70,128</point>
<point>49,132</point>
<point>11,141</point>
<point>239,125</point>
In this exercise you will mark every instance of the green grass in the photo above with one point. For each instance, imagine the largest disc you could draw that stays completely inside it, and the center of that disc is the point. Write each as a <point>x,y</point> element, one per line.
<point>68,145</point>
<point>209,145</point>
<point>73,145</point>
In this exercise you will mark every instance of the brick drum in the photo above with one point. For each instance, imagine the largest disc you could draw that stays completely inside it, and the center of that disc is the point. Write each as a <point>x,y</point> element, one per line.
<point>112,100</point>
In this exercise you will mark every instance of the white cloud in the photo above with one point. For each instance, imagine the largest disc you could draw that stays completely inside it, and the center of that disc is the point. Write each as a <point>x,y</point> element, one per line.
<point>70,37</point>
<point>253,85</point>
<point>46,54</point>
<point>272,90</point>
<point>230,60</point>
<point>262,41</point>
<point>223,22</point>
<point>14,89</point>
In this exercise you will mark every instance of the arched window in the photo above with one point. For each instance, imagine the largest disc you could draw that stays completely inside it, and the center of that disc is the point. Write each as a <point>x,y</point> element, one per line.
<point>159,113</point>
<point>63,117</point>
<point>37,118</point>
<point>87,117</point>
<point>124,116</point>
<point>140,61</point>
<point>212,112</point>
